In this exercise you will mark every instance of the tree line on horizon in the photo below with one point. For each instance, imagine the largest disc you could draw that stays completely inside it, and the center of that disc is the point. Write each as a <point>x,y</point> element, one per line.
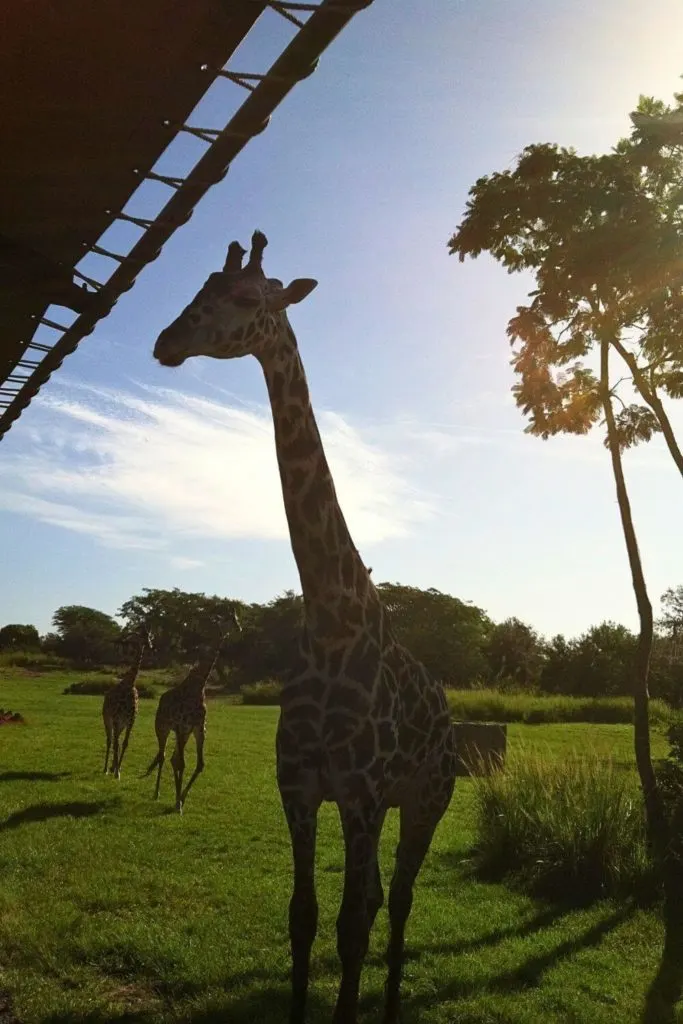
<point>457,641</point>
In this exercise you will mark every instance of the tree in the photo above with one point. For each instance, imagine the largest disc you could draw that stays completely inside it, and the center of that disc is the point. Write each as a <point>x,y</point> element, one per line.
<point>514,651</point>
<point>446,634</point>
<point>181,623</point>
<point>86,635</point>
<point>14,637</point>
<point>597,664</point>
<point>270,645</point>
<point>603,236</point>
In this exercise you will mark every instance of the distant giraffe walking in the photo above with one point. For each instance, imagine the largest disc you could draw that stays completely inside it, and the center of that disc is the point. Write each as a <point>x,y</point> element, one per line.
<point>120,705</point>
<point>182,710</point>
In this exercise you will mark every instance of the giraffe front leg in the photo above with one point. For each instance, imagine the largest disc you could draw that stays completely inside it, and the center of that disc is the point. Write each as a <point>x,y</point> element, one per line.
<point>302,820</point>
<point>115,756</point>
<point>359,904</point>
<point>161,757</point>
<point>199,740</point>
<point>178,763</point>
<point>124,745</point>
<point>107,729</point>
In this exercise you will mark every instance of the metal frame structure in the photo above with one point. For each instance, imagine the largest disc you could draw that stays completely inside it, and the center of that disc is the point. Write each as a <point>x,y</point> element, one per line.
<point>316,24</point>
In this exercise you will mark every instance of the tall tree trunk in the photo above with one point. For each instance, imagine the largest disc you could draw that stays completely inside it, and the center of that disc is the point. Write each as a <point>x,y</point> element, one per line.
<point>648,780</point>
<point>650,396</point>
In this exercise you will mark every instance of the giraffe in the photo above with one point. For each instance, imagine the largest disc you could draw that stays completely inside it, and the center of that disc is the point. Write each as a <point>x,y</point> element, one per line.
<point>120,705</point>
<point>182,710</point>
<point>362,724</point>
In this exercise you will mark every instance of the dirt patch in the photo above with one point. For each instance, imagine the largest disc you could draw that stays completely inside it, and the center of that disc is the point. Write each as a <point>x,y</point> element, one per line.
<point>9,718</point>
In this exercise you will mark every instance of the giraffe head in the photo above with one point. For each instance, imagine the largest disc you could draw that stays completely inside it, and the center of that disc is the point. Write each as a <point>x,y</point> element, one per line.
<point>137,637</point>
<point>238,311</point>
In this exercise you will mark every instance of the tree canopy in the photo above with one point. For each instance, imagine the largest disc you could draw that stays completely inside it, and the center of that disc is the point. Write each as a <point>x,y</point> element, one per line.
<point>603,236</point>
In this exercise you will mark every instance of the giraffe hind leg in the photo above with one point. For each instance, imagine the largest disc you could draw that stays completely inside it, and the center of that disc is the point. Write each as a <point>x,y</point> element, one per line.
<point>161,757</point>
<point>199,740</point>
<point>418,823</point>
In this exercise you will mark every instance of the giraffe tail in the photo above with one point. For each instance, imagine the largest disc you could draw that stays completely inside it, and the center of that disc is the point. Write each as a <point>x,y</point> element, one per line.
<point>153,765</point>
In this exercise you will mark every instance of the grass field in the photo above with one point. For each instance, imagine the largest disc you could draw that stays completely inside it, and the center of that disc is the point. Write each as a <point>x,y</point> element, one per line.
<point>113,909</point>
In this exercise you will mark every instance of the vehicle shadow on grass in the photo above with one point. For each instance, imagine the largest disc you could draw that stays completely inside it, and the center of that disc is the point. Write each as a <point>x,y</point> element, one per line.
<point>45,812</point>
<point>33,776</point>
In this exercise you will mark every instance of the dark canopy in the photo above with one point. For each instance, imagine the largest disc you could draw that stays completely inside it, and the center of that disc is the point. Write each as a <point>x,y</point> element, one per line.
<point>93,93</point>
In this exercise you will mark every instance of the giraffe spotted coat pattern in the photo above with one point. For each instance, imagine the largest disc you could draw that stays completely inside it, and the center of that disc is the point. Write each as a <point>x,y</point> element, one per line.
<point>182,711</point>
<point>362,723</point>
<point>120,707</point>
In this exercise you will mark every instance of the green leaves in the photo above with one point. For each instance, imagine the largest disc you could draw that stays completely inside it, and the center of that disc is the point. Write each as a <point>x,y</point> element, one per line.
<point>634,424</point>
<point>603,235</point>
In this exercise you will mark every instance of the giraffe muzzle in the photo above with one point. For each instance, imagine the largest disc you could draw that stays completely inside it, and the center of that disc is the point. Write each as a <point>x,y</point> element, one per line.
<point>166,353</point>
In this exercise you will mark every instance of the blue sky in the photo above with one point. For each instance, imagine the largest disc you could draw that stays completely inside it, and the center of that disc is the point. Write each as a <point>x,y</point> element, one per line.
<point>124,474</point>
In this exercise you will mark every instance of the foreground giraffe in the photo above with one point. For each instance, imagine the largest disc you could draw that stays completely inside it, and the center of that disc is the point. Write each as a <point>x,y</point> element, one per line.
<point>182,710</point>
<point>362,723</point>
<point>120,705</point>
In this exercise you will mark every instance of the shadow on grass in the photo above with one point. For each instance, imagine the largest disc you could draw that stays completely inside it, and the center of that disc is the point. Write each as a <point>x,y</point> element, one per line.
<point>530,973</point>
<point>6,1012</point>
<point>265,1006</point>
<point>33,776</point>
<point>44,812</point>
<point>667,988</point>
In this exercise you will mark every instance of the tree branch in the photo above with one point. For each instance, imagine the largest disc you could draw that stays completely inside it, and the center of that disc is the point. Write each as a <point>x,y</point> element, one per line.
<point>650,396</point>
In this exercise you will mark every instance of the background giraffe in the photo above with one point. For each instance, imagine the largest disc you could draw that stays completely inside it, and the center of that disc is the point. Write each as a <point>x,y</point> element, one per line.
<point>182,710</point>
<point>120,705</point>
<point>361,722</point>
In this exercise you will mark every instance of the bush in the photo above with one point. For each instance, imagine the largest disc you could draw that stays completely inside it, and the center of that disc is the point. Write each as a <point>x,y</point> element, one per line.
<point>34,660</point>
<point>98,687</point>
<point>266,692</point>
<point>493,706</point>
<point>573,829</point>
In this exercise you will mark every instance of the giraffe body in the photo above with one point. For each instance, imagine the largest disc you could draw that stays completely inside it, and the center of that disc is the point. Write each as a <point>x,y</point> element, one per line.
<point>362,723</point>
<point>119,711</point>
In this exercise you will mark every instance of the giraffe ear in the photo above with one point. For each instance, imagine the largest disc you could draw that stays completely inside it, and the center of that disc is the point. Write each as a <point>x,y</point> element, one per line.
<point>298,290</point>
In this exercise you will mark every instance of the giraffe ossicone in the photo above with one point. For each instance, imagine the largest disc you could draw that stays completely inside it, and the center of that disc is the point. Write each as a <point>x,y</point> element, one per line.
<point>362,723</point>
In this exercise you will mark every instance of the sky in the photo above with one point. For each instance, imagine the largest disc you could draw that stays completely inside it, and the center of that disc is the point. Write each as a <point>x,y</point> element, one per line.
<point>124,474</point>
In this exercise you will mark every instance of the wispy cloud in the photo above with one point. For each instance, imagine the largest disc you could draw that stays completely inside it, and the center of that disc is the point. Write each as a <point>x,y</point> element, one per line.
<point>152,468</point>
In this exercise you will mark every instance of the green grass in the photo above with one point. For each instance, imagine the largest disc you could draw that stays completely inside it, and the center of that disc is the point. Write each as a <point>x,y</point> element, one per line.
<point>483,705</point>
<point>113,910</point>
<point>575,825</point>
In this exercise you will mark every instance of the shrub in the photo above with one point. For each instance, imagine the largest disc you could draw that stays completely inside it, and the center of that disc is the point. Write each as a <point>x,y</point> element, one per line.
<point>34,660</point>
<point>266,692</point>
<point>98,687</point>
<point>572,828</point>
<point>494,706</point>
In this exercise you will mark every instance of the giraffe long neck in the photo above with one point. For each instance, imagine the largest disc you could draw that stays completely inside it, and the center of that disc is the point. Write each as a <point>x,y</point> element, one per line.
<point>129,678</point>
<point>335,583</point>
<point>198,676</point>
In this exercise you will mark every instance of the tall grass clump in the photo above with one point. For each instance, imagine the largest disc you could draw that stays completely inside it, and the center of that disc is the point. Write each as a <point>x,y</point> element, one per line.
<point>571,830</point>
<point>265,692</point>
<point>486,705</point>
